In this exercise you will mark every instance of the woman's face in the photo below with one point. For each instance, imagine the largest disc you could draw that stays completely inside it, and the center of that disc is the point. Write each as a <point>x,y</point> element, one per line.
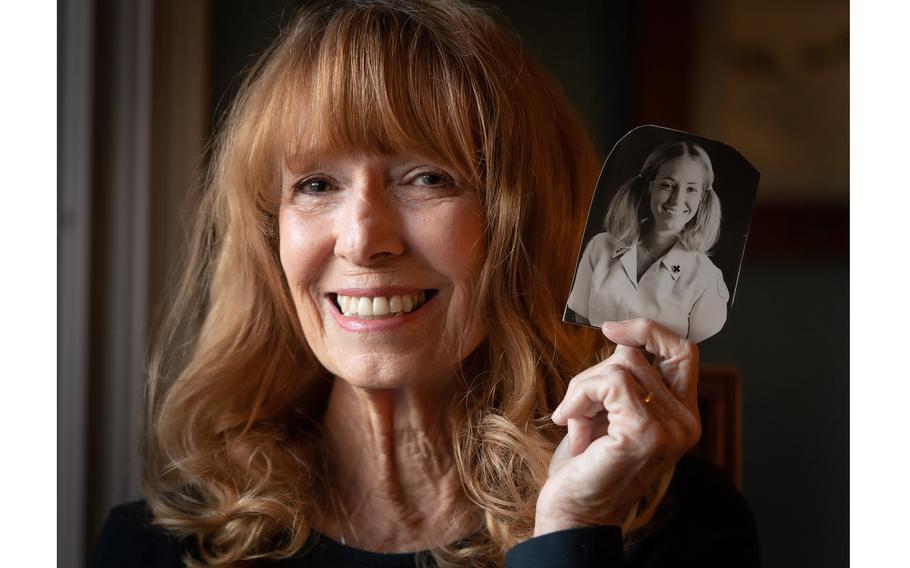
<point>380,254</point>
<point>676,193</point>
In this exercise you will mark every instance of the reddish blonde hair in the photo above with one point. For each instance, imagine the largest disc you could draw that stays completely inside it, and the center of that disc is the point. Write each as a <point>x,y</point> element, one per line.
<point>235,394</point>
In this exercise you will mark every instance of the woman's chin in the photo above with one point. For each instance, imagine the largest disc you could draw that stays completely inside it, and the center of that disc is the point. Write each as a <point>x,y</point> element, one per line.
<point>671,227</point>
<point>384,373</point>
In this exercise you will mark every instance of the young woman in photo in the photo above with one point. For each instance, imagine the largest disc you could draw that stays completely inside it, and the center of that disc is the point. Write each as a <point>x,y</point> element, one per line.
<point>652,260</point>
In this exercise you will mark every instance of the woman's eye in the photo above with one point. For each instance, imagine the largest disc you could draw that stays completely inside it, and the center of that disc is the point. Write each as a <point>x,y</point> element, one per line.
<point>432,179</point>
<point>311,186</point>
<point>666,185</point>
<point>692,189</point>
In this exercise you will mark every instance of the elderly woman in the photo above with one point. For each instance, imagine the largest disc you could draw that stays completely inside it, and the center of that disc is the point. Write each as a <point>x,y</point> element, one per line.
<point>377,373</point>
<point>652,260</point>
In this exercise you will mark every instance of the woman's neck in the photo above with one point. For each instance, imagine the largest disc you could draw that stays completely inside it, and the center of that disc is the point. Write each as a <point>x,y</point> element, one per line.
<point>653,245</point>
<point>392,476</point>
<point>659,242</point>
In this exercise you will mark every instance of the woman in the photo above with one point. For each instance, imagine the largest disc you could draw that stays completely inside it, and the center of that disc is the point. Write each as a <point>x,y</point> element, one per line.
<point>652,260</point>
<point>380,355</point>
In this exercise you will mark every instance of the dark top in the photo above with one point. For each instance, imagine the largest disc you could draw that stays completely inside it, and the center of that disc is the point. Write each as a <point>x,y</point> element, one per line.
<point>704,522</point>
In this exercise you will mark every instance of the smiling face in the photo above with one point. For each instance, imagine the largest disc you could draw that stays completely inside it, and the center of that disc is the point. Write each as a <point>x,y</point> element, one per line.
<point>381,254</point>
<point>676,193</point>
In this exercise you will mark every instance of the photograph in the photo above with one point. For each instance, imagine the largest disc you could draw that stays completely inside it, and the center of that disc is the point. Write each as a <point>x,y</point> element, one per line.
<point>665,234</point>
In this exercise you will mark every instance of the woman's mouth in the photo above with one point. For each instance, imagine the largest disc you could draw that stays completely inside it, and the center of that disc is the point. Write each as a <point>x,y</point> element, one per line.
<point>380,307</point>
<point>675,211</point>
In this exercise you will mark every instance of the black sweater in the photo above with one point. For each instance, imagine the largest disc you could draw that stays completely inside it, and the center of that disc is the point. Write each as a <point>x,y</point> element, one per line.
<point>704,522</point>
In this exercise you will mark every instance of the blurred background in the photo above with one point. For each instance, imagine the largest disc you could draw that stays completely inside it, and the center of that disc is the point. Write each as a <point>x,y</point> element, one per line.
<point>142,85</point>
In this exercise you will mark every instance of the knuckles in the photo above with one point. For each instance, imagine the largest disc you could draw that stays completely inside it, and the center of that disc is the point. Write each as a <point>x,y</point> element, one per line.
<point>690,351</point>
<point>650,436</point>
<point>644,326</point>
<point>654,438</point>
<point>694,432</point>
<point>688,431</point>
<point>632,358</point>
<point>618,384</point>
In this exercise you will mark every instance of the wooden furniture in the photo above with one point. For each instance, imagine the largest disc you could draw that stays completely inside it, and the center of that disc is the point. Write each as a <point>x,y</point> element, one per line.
<point>720,405</point>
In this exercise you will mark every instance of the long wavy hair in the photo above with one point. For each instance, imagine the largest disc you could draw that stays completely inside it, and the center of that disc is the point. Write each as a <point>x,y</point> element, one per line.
<point>629,208</point>
<point>235,395</point>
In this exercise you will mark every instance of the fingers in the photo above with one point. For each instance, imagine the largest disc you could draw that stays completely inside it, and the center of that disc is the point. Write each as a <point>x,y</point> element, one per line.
<point>681,402</point>
<point>607,410</point>
<point>611,394</point>
<point>651,336</point>
<point>617,444</point>
<point>678,357</point>
<point>560,455</point>
<point>633,359</point>
<point>679,417</point>
<point>610,389</point>
<point>581,432</point>
<point>605,404</point>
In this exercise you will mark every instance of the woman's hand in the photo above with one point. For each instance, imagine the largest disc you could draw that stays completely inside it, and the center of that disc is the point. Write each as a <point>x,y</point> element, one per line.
<point>628,421</point>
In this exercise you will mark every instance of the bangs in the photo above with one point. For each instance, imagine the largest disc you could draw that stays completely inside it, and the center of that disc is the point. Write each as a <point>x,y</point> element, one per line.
<point>382,81</point>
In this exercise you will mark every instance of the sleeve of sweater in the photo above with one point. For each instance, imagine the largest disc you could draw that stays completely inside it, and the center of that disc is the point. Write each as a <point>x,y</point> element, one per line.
<point>704,522</point>
<point>574,548</point>
<point>128,538</point>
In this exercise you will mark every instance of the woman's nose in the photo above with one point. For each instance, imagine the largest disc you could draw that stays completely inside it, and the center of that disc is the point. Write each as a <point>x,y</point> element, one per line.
<point>678,196</point>
<point>368,226</point>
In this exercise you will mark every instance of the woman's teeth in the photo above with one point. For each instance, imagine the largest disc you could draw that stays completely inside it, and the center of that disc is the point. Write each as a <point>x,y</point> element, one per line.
<point>380,306</point>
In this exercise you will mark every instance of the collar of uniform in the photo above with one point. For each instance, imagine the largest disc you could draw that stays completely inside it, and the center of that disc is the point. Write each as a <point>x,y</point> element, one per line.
<point>678,260</point>
<point>628,257</point>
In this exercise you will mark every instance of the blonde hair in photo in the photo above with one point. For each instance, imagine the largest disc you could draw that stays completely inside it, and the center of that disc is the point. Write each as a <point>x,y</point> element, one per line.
<point>234,462</point>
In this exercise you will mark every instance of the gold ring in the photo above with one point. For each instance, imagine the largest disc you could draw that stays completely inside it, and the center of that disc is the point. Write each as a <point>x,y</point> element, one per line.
<point>648,398</point>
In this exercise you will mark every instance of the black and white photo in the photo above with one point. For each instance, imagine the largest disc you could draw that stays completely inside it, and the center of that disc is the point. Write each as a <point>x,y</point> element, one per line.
<point>665,233</point>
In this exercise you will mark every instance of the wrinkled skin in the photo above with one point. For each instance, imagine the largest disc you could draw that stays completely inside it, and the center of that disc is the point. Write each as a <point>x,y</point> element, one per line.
<point>617,444</point>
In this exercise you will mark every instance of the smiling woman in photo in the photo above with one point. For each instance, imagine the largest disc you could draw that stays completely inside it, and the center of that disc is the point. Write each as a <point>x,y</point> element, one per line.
<point>652,262</point>
<point>377,372</point>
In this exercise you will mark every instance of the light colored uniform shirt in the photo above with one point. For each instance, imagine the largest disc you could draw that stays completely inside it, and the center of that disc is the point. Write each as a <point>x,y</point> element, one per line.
<point>683,290</point>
